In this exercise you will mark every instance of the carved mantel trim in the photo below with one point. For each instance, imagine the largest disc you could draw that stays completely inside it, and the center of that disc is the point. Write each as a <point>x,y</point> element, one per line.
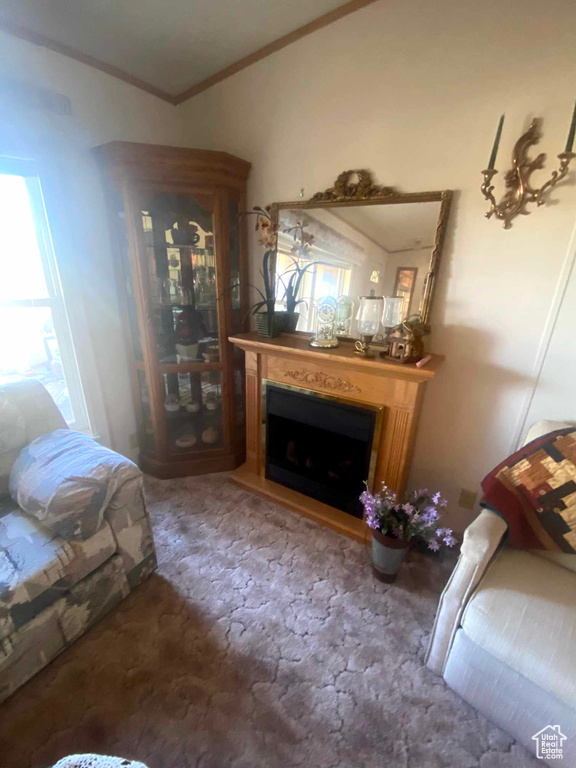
<point>323,380</point>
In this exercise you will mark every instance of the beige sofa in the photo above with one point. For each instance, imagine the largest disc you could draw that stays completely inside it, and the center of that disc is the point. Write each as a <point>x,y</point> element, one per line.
<point>504,637</point>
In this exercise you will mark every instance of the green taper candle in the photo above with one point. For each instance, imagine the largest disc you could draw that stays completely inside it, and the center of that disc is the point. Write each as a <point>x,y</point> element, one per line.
<point>492,160</point>
<point>570,140</point>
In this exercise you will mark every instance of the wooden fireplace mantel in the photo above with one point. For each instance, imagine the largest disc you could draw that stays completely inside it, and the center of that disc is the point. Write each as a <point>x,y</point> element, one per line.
<point>396,388</point>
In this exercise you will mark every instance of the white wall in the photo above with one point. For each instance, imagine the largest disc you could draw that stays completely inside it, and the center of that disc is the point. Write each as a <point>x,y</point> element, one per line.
<point>103,109</point>
<point>413,91</point>
<point>555,393</point>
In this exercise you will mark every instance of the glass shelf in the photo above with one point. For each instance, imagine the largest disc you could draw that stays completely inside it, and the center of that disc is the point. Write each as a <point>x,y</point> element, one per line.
<point>193,410</point>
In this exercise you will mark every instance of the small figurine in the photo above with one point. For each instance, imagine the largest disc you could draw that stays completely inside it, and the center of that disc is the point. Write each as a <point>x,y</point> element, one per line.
<point>210,436</point>
<point>187,440</point>
<point>172,403</point>
<point>211,401</point>
<point>189,328</point>
<point>404,342</point>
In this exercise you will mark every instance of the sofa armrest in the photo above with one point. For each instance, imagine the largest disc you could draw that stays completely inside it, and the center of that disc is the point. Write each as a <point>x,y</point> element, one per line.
<point>66,480</point>
<point>481,541</point>
<point>128,518</point>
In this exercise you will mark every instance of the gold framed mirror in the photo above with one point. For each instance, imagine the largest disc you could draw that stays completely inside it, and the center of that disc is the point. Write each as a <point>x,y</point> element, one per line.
<point>364,238</point>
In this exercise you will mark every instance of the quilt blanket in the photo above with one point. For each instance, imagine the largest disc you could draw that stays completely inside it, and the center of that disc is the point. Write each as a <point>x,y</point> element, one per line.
<point>534,490</point>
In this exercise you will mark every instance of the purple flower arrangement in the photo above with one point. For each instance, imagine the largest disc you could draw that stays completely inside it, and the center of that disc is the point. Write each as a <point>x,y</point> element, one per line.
<point>418,516</point>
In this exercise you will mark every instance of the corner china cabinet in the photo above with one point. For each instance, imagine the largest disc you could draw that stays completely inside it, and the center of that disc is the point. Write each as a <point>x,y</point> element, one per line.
<point>182,275</point>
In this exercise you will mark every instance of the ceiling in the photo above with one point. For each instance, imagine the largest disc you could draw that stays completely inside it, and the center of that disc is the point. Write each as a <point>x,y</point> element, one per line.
<point>171,45</point>
<point>394,227</point>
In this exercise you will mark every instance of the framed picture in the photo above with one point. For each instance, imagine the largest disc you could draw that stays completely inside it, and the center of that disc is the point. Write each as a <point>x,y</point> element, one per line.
<point>404,287</point>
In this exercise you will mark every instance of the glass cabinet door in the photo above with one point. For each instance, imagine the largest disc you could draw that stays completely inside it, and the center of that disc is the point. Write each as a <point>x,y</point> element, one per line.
<point>181,271</point>
<point>178,233</point>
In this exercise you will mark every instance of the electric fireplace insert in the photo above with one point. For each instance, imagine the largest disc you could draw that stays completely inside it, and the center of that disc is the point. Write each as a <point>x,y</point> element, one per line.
<point>319,445</point>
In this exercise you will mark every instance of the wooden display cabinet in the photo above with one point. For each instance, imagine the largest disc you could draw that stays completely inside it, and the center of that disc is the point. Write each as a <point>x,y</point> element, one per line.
<point>181,256</point>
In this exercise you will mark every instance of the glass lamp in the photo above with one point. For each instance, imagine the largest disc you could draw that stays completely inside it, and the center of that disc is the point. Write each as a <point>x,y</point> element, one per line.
<point>369,314</point>
<point>344,310</point>
<point>392,314</point>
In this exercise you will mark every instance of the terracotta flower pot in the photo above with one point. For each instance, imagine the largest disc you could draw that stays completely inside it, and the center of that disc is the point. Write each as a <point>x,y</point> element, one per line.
<point>387,555</point>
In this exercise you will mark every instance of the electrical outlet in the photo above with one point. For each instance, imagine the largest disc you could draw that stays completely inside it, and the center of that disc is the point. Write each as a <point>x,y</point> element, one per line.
<point>467,499</point>
<point>133,440</point>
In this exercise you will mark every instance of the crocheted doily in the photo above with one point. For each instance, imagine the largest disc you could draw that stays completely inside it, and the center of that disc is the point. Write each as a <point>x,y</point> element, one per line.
<point>97,761</point>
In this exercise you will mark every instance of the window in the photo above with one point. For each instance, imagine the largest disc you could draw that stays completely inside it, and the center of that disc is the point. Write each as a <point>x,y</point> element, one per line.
<point>331,277</point>
<point>35,338</point>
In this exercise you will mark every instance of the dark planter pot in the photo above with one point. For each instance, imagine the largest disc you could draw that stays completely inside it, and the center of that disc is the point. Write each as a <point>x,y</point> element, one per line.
<point>388,554</point>
<point>269,325</point>
<point>289,321</point>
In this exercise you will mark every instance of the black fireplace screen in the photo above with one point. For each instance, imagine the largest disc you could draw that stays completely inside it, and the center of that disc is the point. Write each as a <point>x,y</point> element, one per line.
<point>319,447</point>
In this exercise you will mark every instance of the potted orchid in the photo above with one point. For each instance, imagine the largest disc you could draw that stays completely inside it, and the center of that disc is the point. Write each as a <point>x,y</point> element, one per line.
<point>268,323</point>
<point>394,524</point>
<point>291,290</point>
<point>300,250</point>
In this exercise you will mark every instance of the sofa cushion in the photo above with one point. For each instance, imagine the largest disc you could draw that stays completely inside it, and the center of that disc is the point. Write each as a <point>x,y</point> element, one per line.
<point>26,411</point>
<point>65,480</point>
<point>559,558</point>
<point>37,567</point>
<point>524,614</point>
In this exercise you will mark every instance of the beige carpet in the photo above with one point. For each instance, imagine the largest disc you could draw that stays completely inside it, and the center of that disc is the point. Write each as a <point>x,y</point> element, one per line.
<point>263,641</point>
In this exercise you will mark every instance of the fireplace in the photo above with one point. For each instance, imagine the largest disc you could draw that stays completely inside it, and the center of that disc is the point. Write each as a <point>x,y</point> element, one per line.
<point>384,398</point>
<point>320,446</point>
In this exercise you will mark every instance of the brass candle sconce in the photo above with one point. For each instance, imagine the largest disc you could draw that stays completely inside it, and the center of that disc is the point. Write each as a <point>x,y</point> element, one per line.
<point>517,179</point>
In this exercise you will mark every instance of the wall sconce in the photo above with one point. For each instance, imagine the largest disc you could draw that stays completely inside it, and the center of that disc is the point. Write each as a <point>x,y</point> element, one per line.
<point>517,179</point>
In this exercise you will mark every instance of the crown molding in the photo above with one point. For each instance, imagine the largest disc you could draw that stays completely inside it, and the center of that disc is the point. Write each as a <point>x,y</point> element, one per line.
<point>268,50</point>
<point>322,21</point>
<point>72,53</point>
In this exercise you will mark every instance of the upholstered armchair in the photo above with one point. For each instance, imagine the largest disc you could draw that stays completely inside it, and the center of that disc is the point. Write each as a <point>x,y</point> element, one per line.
<point>75,536</point>
<point>504,637</point>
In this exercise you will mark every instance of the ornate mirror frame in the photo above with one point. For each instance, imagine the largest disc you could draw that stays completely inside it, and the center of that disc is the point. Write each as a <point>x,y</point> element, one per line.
<point>346,193</point>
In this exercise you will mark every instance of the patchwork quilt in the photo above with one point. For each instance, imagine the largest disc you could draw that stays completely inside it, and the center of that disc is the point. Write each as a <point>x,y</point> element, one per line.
<point>534,490</point>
